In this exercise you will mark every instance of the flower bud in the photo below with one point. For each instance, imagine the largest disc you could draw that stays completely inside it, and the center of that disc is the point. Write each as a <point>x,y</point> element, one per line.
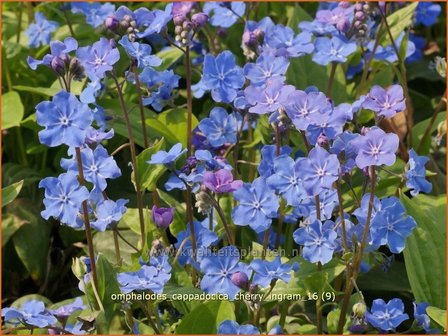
<point>75,69</point>
<point>203,202</point>
<point>344,4</point>
<point>112,43</point>
<point>58,65</point>
<point>360,15</point>
<point>249,39</point>
<point>162,217</point>
<point>112,23</point>
<point>187,26</point>
<point>178,20</point>
<point>240,280</point>
<point>359,309</point>
<point>199,19</point>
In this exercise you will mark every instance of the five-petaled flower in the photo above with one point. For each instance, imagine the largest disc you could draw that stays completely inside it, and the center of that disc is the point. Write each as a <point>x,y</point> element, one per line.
<point>386,316</point>
<point>385,103</point>
<point>98,58</point>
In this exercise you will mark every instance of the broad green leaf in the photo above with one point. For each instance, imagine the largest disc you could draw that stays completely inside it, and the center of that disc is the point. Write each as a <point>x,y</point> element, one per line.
<point>131,220</point>
<point>10,224</point>
<point>46,92</point>
<point>419,129</point>
<point>306,329</point>
<point>103,242</point>
<point>333,321</point>
<point>149,174</point>
<point>12,110</point>
<point>425,250</point>
<point>398,22</point>
<point>76,87</point>
<point>438,315</point>
<point>169,57</point>
<point>206,318</point>
<point>10,192</point>
<point>296,15</point>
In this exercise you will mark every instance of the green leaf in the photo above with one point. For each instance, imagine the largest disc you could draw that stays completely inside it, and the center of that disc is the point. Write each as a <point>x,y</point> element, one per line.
<point>169,57</point>
<point>424,254</point>
<point>296,15</point>
<point>438,315</point>
<point>333,321</point>
<point>10,224</point>
<point>149,174</point>
<point>12,110</point>
<point>307,329</point>
<point>46,92</point>
<point>398,22</point>
<point>10,192</point>
<point>206,318</point>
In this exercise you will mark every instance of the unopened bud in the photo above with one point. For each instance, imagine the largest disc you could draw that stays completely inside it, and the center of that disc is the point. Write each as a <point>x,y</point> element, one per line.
<point>199,20</point>
<point>359,309</point>
<point>112,23</point>
<point>240,280</point>
<point>58,65</point>
<point>76,69</point>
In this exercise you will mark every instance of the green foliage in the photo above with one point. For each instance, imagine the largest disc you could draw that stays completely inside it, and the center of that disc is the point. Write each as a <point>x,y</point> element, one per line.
<point>420,128</point>
<point>12,110</point>
<point>398,21</point>
<point>437,315</point>
<point>10,192</point>
<point>149,174</point>
<point>425,252</point>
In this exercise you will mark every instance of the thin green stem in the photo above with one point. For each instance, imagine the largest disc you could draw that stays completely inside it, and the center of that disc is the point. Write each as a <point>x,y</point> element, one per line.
<point>341,214</point>
<point>189,100</point>
<point>223,219</point>
<point>334,66</point>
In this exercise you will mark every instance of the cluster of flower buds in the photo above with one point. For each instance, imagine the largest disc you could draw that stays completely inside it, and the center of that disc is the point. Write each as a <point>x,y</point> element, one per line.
<point>204,202</point>
<point>251,42</point>
<point>362,10</point>
<point>126,26</point>
<point>65,65</point>
<point>185,26</point>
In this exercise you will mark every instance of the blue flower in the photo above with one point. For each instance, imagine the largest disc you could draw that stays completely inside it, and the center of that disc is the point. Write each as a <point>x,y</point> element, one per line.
<point>91,91</point>
<point>220,128</point>
<point>387,53</point>
<point>328,200</point>
<point>97,165</point>
<point>319,171</point>
<point>108,212</point>
<point>218,269</point>
<point>94,12</point>
<point>416,173</point>
<point>391,226</point>
<point>385,102</point>
<point>160,19</point>
<point>422,318</point>
<point>326,125</point>
<point>268,154</point>
<point>162,265</point>
<point>224,14</point>
<point>65,119</point>
<point>282,41</point>
<point>336,49</point>
<point>266,271</point>
<point>361,212</point>
<point>167,158</point>
<point>32,313</point>
<point>144,279</point>
<point>285,179</point>
<point>63,198</point>
<point>222,76</point>
<point>140,52</point>
<point>317,28</point>
<point>68,309</point>
<point>319,241</point>
<point>205,237</point>
<point>267,67</point>
<point>98,58</point>
<point>258,204</point>
<point>39,33</point>
<point>427,13</point>
<point>420,44</point>
<point>303,107</point>
<point>268,99</point>
<point>386,316</point>
<point>229,327</point>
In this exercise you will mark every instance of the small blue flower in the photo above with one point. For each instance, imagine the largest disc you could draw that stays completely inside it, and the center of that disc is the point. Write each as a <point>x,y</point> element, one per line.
<point>94,12</point>
<point>162,264</point>
<point>336,49</point>
<point>32,313</point>
<point>267,67</point>
<point>229,327</point>
<point>285,179</point>
<point>220,128</point>
<point>268,154</point>
<point>258,205</point>
<point>97,165</point>
<point>68,309</point>
<point>266,271</point>
<point>282,41</point>
<point>91,91</point>
<point>391,226</point>
<point>427,13</point>
<point>108,212</point>
<point>319,171</point>
<point>388,316</point>
<point>65,119</point>
<point>268,99</point>
<point>319,241</point>
<point>224,14</point>
<point>422,318</point>
<point>222,76</point>
<point>326,125</point>
<point>416,174</point>
<point>58,49</point>
<point>98,58</point>
<point>317,28</point>
<point>160,19</point>
<point>39,33</point>
<point>140,52</point>
<point>63,198</point>
<point>218,270</point>
<point>387,53</point>
<point>144,279</point>
<point>167,158</point>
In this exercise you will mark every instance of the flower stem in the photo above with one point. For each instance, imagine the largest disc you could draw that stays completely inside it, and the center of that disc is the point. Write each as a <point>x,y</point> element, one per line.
<point>189,100</point>
<point>134,161</point>
<point>341,214</point>
<point>352,272</point>
<point>223,219</point>
<point>85,211</point>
